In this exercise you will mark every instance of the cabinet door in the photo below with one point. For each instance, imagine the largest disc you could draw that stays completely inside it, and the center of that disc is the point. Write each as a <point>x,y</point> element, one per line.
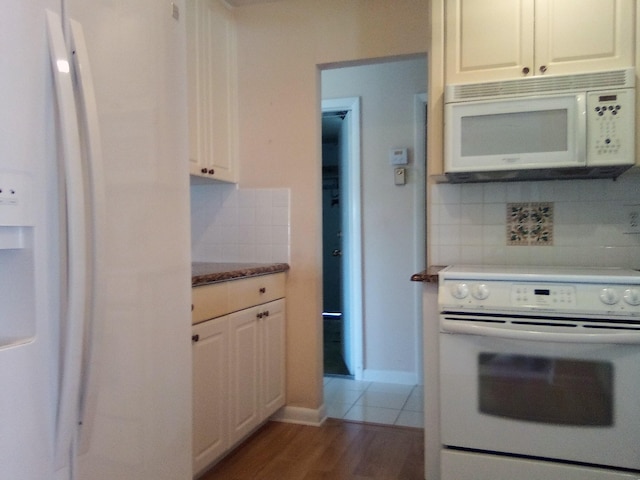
<point>244,372</point>
<point>575,36</point>
<point>488,40</point>
<point>211,73</point>
<point>273,361</point>
<point>210,380</point>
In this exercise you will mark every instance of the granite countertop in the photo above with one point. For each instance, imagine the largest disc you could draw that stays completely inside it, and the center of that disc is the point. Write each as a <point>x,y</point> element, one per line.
<point>430,275</point>
<point>203,273</point>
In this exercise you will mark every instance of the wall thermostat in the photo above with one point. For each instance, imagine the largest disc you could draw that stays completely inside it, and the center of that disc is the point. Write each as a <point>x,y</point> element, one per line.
<point>398,156</point>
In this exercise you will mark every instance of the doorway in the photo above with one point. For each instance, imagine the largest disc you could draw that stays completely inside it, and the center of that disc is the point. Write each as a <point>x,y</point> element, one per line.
<point>342,264</point>
<point>388,215</point>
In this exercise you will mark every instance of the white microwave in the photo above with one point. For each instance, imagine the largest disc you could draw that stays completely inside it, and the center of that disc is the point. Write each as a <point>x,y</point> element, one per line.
<point>578,126</point>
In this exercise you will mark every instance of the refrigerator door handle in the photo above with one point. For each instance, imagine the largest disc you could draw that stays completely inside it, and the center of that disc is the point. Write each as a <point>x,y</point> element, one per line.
<point>73,324</point>
<point>96,204</point>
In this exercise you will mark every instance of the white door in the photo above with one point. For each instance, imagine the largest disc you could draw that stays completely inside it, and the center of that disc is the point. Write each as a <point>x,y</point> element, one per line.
<point>350,260</point>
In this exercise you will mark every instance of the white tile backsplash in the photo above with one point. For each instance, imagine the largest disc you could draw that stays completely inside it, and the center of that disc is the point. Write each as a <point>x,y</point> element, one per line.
<point>468,223</point>
<point>230,224</point>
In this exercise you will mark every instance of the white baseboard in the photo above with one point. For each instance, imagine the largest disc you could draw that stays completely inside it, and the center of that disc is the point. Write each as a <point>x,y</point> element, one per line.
<point>391,376</point>
<point>300,415</point>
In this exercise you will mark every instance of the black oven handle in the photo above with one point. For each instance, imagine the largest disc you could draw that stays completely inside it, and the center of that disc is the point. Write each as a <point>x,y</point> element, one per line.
<point>627,338</point>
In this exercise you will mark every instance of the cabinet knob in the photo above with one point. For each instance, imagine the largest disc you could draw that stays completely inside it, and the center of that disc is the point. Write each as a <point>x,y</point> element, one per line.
<point>543,68</point>
<point>203,170</point>
<point>259,315</point>
<point>211,171</point>
<point>266,313</point>
<point>525,70</point>
<point>195,338</point>
<point>263,290</point>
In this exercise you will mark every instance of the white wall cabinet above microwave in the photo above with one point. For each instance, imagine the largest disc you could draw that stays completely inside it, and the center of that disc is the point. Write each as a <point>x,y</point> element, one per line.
<point>211,61</point>
<point>502,39</point>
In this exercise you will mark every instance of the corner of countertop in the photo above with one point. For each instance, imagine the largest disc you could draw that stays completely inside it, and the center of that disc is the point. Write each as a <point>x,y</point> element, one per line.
<point>430,275</point>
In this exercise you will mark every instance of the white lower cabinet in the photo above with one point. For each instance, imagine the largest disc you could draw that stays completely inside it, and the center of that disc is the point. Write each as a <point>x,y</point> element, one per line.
<point>244,368</point>
<point>256,364</point>
<point>273,358</point>
<point>238,371</point>
<point>210,374</point>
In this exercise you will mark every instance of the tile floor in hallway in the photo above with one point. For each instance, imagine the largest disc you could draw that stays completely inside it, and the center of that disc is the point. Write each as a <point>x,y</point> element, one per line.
<point>372,402</point>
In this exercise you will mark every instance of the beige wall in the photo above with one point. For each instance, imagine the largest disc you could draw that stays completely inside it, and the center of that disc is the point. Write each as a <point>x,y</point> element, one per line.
<point>280,46</point>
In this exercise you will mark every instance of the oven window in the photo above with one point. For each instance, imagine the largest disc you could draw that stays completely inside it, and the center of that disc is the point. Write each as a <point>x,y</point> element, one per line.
<point>547,390</point>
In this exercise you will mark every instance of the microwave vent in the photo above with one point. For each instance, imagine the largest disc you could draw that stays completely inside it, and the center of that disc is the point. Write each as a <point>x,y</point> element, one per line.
<point>542,85</point>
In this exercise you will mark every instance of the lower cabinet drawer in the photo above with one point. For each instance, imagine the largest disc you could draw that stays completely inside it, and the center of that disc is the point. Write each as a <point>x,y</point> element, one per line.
<point>217,299</point>
<point>209,301</point>
<point>252,291</point>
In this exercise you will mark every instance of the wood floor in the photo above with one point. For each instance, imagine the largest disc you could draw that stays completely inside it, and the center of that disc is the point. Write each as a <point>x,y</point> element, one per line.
<point>338,450</point>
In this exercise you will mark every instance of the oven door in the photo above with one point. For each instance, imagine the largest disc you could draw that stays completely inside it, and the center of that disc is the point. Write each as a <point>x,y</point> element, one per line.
<point>555,400</point>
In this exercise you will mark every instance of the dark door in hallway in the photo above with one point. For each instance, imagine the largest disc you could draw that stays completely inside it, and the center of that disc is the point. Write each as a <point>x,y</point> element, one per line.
<point>332,219</point>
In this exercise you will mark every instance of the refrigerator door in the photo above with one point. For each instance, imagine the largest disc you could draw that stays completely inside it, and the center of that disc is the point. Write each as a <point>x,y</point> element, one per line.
<point>137,421</point>
<point>30,273</point>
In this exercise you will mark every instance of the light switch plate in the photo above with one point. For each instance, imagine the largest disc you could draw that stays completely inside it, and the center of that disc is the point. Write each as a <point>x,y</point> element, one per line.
<point>400,176</point>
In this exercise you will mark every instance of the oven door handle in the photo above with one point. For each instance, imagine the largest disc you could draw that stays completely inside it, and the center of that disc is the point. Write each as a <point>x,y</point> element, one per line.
<point>533,336</point>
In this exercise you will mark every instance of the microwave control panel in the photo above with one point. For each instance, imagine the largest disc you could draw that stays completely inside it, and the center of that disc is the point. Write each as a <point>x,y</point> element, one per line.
<point>610,127</point>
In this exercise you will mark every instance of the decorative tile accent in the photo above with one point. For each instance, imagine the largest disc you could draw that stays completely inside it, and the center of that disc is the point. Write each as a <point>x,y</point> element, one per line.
<point>517,224</point>
<point>530,224</point>
<point>541,221</point>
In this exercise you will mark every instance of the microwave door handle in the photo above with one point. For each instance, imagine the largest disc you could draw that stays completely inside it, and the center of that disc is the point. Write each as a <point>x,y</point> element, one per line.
<point>531,336</point>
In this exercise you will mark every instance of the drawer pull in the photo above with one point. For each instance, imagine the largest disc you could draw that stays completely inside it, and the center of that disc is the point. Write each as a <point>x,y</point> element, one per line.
<point>195,338</point>
<point>263,290</point>
<point>266,313</point>
<point>259,315</point>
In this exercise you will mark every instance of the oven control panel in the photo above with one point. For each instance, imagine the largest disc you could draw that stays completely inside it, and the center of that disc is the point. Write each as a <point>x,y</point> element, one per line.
<point>557,296</point>
<point>616,299</point>
<point>611,292</point>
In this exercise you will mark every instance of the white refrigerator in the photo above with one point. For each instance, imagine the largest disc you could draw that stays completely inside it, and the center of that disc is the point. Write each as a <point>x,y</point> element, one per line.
<point>95,353</point>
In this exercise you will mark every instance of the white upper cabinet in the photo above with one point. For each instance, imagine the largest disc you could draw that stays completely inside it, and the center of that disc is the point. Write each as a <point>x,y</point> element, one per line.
<point>488,39</point>
<point>501,39</point>
<point>211,83</point>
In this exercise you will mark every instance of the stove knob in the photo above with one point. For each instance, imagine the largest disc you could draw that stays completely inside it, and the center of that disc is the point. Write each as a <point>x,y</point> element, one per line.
<point>460,290</point>
<point>480,291</point>
<point>632,296</point>
<point>609,296</point>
